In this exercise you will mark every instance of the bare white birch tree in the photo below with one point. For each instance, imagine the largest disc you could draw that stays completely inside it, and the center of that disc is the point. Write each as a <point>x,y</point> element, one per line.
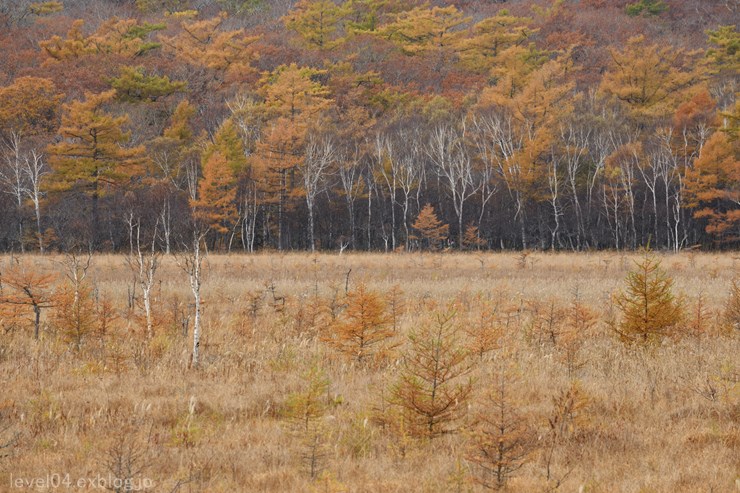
<point>486,169</point>
<point>35,169</point>
<point>409,170</point>
<point>191,261</point>
<point>13,180</point>
<point>505,141</point>
<point>446,149</point>
<point>248,210</point>
<point>352,185</point>
<point>144,264</point>
<point>553,181</point>
<point>574,140</point>
<point>384,165</point>
<point>321,153</point>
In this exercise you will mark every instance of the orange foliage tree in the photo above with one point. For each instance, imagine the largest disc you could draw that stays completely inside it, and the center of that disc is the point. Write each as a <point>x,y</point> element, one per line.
<point>29,105</point>
<point>431,229</point>
<point>434,385</point>
<point>124,37</point>
<point>649,79</point>
<point>503,438</point>
<point>23,286</point>
<point>317,22</point>
<point>650,311</point>
<point>713,187</point>
<point>204,43</point>
<point>293,102</point>
<point>29,113</point>
<point>425,30</point>
<point>75,315</point>
<point>732,307</point>
<point>92,157</point>
<point>215,206</point>
<point>494,39</point>
<point>216,193</point>
<point>363,328</point>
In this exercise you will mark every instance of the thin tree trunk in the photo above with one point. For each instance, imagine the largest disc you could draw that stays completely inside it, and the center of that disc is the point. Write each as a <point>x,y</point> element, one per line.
<point>36,321</point>
<point>195,284</point>
<point>311,227</point>
<point>37,211</point>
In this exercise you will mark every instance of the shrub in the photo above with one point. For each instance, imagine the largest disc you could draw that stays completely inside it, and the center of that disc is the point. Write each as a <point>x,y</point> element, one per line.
<point>647,7</point>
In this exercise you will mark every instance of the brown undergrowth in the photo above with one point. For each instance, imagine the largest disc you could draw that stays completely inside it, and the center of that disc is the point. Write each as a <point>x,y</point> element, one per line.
<point>409,372</point>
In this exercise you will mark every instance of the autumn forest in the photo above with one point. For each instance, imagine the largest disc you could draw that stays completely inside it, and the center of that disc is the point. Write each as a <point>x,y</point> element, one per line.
<point>369,124</point>
<point>369,246</point>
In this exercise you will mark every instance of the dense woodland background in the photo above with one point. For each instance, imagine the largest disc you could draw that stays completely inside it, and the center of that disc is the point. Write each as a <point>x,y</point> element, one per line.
<point>330,125</point>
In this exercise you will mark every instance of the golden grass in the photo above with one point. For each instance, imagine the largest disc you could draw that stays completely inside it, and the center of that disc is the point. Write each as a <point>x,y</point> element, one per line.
<point>660,420</point>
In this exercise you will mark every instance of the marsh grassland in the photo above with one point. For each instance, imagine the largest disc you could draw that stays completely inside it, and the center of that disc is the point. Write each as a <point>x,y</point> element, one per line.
<point>369,373</point>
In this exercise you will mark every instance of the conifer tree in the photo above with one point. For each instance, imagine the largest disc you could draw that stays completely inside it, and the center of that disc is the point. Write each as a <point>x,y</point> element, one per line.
<point>310,404</point>
<point>396,303</point>
<point>725,53</point>
<point>430,228</point>
<point>732,307</point>
<point>73,46</point>
<point>646,7</point>
<point>317,22</point>
<point>427,30</point>
<point>363,328</point>
<point>713,187</point>
<point>222,162</point>
<point>434,385</point>
<point>46,8</point>
<point>123,37</point>
<point>503,438</point>
<point>579,319</point>
<point>23,286</point>
<point>472,238</point>
<point>484,329</point>
<point>134,85</point>
<point>648,79</point>
<point>28,106</point>
<point>491,38</point>
<point>306,410</point>
<point>204,43</point>
<point>75,316</point>
<point>294,101</point>
<point>650,311</point>
<point>216,194</point>
<point>228,142</point>
<point>92,157</point>
<point>568,413</point>
<point>168,6</point>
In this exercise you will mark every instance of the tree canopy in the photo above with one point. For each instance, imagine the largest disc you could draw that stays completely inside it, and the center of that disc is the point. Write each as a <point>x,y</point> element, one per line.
<point>326,124</point>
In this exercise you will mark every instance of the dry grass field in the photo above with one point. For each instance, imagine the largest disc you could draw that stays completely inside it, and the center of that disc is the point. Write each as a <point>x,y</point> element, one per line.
<point>538,392</point>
